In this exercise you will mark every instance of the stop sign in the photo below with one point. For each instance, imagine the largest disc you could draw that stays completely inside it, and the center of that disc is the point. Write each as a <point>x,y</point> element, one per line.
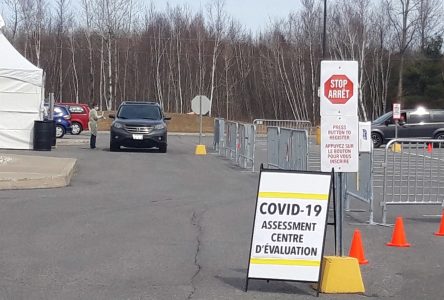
<point>338,89</point>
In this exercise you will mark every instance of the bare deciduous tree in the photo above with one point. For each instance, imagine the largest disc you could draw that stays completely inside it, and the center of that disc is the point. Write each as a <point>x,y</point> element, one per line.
<point>112,53</point>
<point>404,19</point>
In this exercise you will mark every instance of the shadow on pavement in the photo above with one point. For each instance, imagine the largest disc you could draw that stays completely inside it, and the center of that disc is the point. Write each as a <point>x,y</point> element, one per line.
<point>273,286</point>
<point>135,150</point>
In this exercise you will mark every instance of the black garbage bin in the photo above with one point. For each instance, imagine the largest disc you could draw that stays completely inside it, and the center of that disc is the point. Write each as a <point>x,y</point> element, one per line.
<point>43,132</point>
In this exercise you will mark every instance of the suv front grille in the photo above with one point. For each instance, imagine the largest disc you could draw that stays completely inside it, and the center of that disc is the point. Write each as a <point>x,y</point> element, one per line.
<point>139,129</point>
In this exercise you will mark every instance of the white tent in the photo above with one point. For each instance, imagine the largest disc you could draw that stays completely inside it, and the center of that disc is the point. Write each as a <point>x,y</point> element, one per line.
<point>21,86</point>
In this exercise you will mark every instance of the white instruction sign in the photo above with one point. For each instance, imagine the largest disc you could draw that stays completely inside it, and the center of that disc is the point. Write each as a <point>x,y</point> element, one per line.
<point>365,139</point>
<point>339,143</point>
<point>289,226</point>
<point>396,111</point>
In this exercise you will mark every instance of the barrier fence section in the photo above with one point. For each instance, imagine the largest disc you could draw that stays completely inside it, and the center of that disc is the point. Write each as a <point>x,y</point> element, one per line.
<point>285,158</point>
<point>231,129</point>
<point>360,185</point>
<point>237,141</point>
<point>219,135</point>
<point>300,149</point>
<point>246,141</point>
<point>273,147</point>
<point>287,149</point>
<point>413,173</point>
<point>262,125</point>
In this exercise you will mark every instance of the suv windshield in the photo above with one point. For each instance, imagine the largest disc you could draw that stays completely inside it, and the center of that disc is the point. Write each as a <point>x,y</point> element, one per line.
<point>143,111</point>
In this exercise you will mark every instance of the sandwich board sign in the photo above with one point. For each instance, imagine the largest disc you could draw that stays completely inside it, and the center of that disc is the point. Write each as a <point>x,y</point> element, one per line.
<point>289,226</point>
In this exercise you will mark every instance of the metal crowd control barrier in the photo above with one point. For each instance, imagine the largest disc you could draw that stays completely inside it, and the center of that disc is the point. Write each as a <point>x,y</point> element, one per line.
<point>360,185</point>
<point>413,173</point>
<point>287,148</point>
<point>300,150</point>
<point>235,141</point>
<point>231,129</point>
<point>285,151</point>
<point>246,141</point>
<point>262,125</point>
<point>273,147</point>
<point>219,134</point>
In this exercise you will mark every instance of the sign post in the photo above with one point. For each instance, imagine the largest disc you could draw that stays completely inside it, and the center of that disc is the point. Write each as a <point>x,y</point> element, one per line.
<point>396,116</point>
<point>200,105</point>
<point>289,226</point>
<point>339,126</point>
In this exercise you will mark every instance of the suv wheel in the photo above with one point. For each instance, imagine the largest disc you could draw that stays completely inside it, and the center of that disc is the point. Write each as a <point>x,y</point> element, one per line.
<point>439,136</point>
<point>114,147</point>
<point>76,128</point>
<point>163,148</point>
<point>377,139</point>
<point>60,131</point>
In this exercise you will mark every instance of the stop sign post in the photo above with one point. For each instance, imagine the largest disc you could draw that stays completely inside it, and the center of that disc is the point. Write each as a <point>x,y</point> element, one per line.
<point>339,127</point>
<point>200,105</point>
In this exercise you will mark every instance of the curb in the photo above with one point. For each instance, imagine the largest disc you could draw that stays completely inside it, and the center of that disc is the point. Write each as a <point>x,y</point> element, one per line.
<point>69,142</point>
<point>35,180</point>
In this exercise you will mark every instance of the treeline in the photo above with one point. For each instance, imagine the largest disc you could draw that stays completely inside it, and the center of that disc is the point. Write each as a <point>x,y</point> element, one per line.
<point>108,51</point>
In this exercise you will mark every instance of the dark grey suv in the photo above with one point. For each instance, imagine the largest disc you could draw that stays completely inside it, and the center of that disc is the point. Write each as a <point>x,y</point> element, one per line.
<point>419,123</point>
<point>139,125</point>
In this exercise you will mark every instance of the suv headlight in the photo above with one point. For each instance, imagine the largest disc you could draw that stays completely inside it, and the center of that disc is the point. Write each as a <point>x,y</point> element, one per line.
<point>117,125</point>
<point>159,126</point>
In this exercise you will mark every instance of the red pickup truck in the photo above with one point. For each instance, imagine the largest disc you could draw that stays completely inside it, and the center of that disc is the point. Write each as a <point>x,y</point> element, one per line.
<point>79,116</point>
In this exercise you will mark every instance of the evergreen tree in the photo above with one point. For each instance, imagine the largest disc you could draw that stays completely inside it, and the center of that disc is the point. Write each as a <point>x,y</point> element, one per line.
<point>424,82</point>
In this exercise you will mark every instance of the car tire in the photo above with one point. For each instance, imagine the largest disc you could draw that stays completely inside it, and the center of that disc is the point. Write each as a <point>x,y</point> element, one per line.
<point>439,136</point>
<point>377,139</point>
<point>60,131</point>
<point>113,147</point>
<point>163,148</point>
<point>76,128</point>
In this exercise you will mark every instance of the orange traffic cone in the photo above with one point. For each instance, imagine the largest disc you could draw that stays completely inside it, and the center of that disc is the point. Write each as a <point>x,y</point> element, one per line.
<point>440,232</point>
<point>356,248</point>
<point>429,148</point>
<point>399,239</point>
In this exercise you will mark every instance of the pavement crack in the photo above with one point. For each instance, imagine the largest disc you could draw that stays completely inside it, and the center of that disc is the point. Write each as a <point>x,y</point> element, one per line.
<point>195,222</point>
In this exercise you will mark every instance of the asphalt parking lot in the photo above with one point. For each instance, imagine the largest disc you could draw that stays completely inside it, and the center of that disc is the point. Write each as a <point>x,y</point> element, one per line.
<point>138,224</point>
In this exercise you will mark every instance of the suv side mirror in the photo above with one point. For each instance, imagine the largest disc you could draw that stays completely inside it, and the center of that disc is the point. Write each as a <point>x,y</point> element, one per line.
<point>387,122</point>
<point>167,118</point>
<point>111,116</point>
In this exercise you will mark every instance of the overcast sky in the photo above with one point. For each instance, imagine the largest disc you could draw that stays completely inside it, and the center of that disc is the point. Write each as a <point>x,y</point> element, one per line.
<point>253,14</point>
